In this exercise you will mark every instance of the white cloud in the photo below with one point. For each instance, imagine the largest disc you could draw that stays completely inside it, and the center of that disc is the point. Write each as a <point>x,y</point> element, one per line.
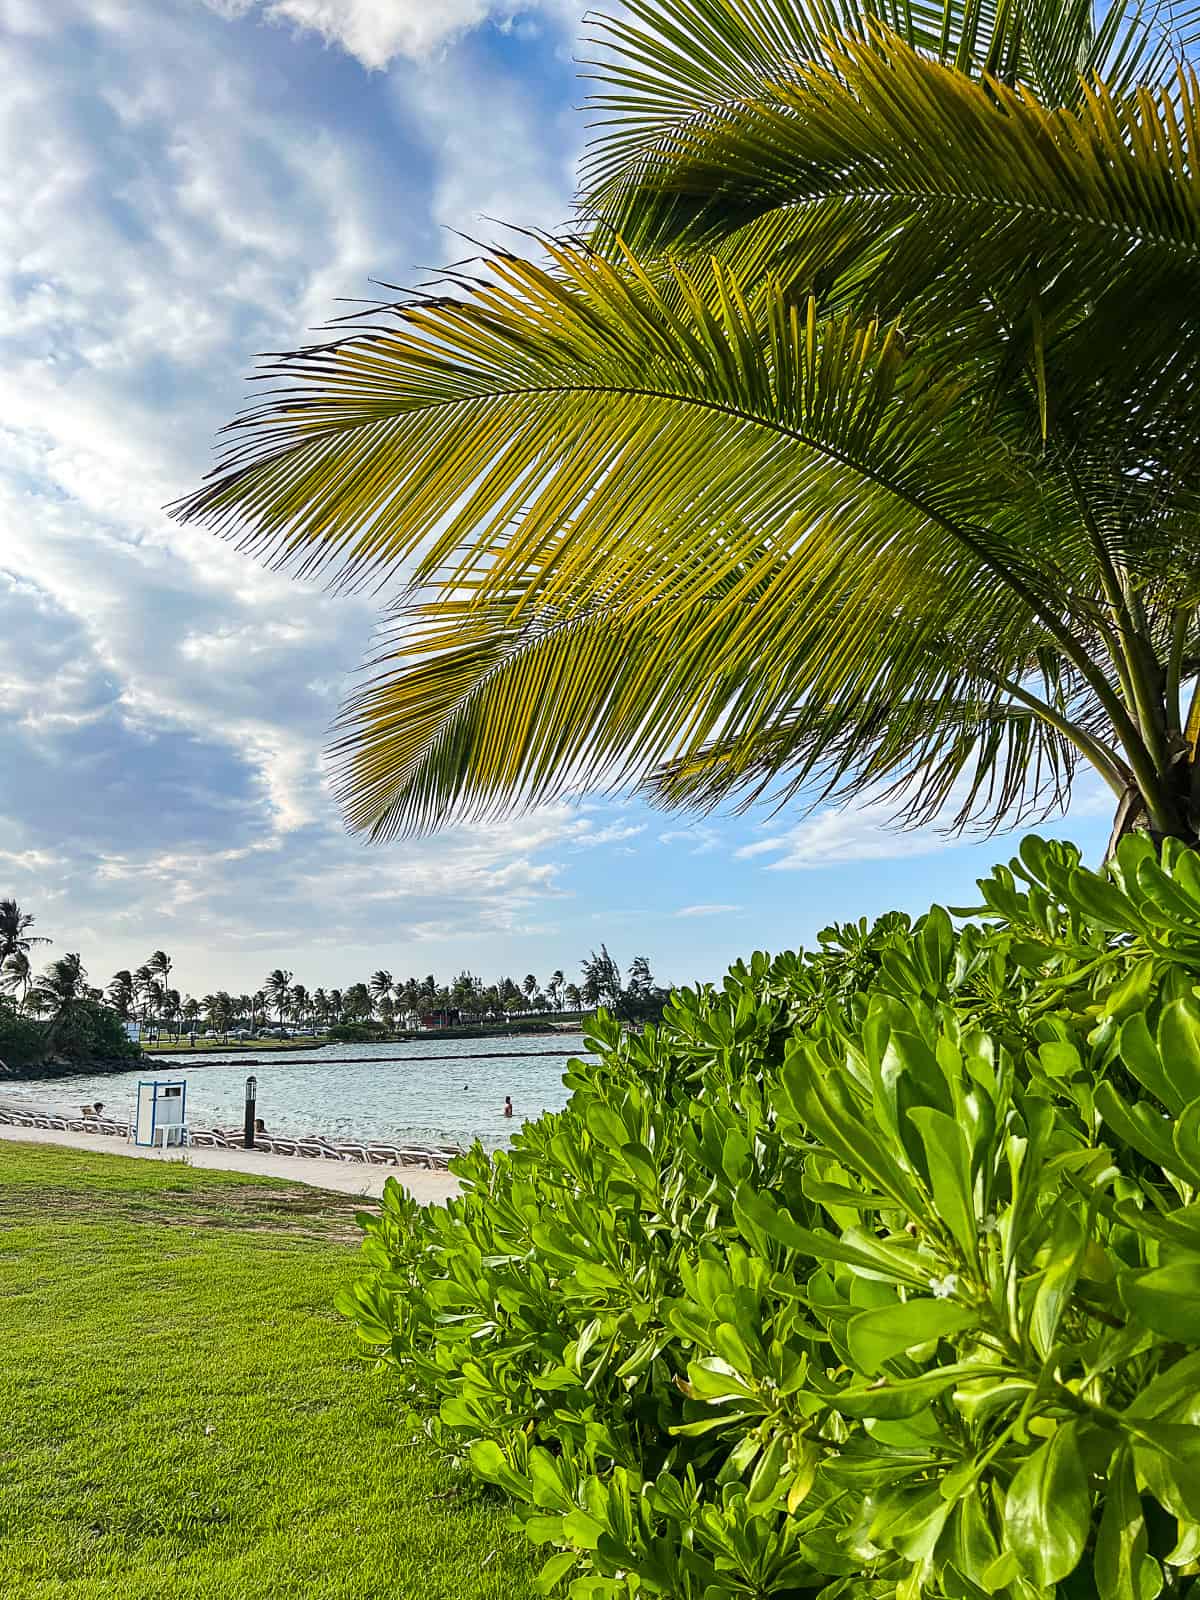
<point>866,831</point>
<point>377,31</point>
<point>585,836</point>
<point>707,911</point>
<point>702,840</point>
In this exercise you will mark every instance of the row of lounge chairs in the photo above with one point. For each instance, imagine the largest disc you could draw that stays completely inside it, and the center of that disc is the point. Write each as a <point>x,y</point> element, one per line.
<point>314,1148</point>
<point>319,1149</point>
<point>21,1117</point>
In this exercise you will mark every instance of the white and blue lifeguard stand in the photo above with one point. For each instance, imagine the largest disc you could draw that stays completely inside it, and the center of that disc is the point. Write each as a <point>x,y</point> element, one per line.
<point>161,1116</point>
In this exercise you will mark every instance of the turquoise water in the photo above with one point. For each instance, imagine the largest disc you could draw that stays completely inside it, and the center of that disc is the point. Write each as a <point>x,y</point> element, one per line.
<point>451,1100</point>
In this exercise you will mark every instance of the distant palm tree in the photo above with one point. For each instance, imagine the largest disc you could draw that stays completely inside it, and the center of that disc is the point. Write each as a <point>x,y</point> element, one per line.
<point>278,990</point>
<point>336,1004</point>
<point>573,996</point>
<point>191,1012</point>
<point>15,937</point>
<point>60,990</point>
<point>379,987</point>
<point>155,1000</point>
<point>530,986</point>
<point>555,986</point>
<point>16,973</point>
<point>299,1003</point>
<point>121,995</point>
<point>160,965</point>
<point>356,1003</point>
<point>143,980</point>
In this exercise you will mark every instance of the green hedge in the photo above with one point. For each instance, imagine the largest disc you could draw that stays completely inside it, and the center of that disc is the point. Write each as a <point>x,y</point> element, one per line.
<point>874,1271</point>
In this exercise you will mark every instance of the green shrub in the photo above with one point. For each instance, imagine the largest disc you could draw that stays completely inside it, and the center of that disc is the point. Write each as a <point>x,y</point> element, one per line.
<point>93,1034</point>
<point>874,1271</point>
<point>22,1040</point>
<point>89,1035</point>
<point>357,1032</point>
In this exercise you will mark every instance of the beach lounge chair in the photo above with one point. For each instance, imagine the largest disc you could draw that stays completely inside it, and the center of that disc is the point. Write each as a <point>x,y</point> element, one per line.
<point>385,1155</point>
<point>201,1136</point>
<point>309,1147</point>
<point>413,1157</point>
<point>353,1152</point>
<point>283,1147</point>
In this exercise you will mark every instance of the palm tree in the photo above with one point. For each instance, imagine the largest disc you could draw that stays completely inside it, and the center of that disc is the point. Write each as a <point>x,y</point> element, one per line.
<point>16,973</point>
<point>379,986</point>
<point>299,1003</point>
<point>336,1004</point>
<point>15,937</point>
<point>853,450</point>
<point>191,1012</point>
<point>530,987</point>
<point>143,988</point>
<point>160,965</point>
<point>356,1003</point>
<point>59,991</point>
<point>278,991</point>
<point>122,993</point>
<point>573,997</point>
<point>555,987</point>
<point>258,1006</point>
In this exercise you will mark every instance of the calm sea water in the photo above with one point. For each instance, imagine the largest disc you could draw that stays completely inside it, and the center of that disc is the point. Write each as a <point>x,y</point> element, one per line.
<point>450,1100</point>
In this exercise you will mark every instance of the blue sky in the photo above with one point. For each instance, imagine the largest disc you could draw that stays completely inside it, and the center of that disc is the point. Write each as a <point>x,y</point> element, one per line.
<point>186,183</point>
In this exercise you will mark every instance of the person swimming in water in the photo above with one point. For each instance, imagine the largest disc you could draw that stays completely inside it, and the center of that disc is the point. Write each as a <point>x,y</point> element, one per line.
<point>508,1110</point>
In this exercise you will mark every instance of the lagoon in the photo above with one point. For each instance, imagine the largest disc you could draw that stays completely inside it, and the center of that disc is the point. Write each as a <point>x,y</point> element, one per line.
<point>453,1099</point>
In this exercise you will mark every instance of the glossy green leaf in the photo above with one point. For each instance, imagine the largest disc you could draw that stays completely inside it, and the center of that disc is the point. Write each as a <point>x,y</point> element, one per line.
<point>876,1337</point>
<point>1166,1299</point>
<point>1047,1511</point>
<point>555,1570</point>
<point>1121,1564</point>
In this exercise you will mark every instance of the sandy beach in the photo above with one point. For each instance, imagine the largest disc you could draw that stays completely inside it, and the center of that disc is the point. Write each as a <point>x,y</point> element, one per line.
<point>345,1177</point>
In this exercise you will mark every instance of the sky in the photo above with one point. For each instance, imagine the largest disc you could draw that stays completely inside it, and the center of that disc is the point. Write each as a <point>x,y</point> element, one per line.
<point>186,183</point>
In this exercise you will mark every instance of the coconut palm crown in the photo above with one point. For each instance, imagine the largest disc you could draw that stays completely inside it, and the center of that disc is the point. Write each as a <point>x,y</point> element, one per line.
<point>851,445</point>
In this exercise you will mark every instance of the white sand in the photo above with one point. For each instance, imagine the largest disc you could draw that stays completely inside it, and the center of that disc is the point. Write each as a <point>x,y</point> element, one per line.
<point>346,1177</point>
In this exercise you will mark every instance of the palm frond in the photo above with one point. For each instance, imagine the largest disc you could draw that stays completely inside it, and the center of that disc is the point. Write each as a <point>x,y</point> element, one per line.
<point>667,68</point>
<point>584,415</point>
<point>478,708</point>
<point>876,134</point>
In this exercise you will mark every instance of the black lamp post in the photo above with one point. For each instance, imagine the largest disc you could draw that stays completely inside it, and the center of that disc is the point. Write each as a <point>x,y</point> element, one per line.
<point>251,1093</point>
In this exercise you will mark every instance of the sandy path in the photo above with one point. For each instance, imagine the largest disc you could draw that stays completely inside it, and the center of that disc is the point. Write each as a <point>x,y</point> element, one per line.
<point>346,1177</point>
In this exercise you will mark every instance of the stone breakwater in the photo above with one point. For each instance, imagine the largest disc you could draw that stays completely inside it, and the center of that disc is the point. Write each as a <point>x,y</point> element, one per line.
<point>314,1147</point>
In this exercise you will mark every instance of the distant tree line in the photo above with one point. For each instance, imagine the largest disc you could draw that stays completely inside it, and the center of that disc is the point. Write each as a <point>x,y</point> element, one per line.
<point>148,996</point>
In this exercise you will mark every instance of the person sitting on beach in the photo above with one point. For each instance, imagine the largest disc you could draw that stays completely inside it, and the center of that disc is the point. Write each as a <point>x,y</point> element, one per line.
<point>259,1125</point>
<point>508,1110</point>
<point>98,1108</point>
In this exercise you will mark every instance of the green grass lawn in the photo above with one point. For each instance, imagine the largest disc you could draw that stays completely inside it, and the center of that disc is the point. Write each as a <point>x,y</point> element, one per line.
<point>182,1412</point>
